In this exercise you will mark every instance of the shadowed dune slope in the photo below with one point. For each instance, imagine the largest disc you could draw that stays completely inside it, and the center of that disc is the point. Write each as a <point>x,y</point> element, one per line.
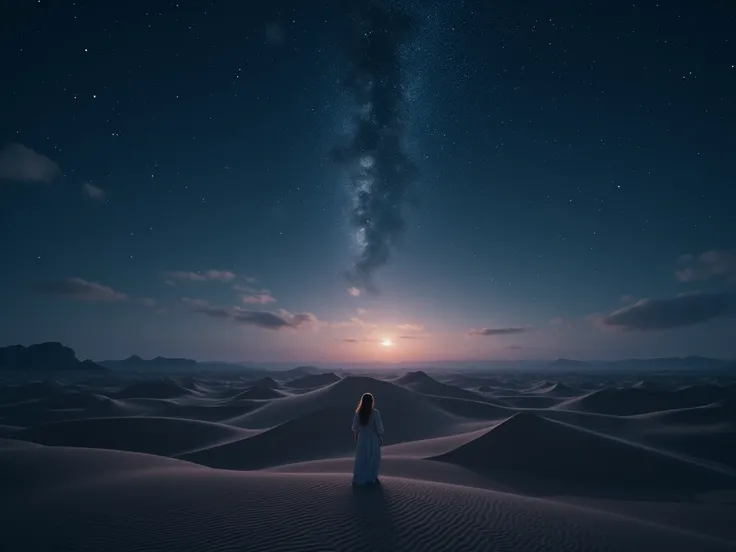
<point>164,388</point>
<point>66,406</point>
<point>544,449</point>
<point>39,469</point>
<point>420,382</point>
<point>317,380</point>
<point>411,415</point>
<point>529,401</point>
<point>641,400</point>
<point>556,389</point>
<point>161,436</point>
<point>720,412</point>
<point>321,434</point>
<point>15,393</point>
<point>258,393</point>
<point>266,382</point>
<point>471,409</point>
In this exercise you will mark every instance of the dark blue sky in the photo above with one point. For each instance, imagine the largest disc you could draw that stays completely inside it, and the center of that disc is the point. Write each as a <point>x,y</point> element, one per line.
<point>169,182</point>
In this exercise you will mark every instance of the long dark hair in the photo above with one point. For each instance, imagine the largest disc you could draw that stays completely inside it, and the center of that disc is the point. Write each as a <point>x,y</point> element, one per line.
<point>365,407</point>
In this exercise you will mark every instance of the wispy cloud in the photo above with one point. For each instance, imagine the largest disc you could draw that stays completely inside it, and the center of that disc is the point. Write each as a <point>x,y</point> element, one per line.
<point>557,321</point>
<point>354,291</point>
<point>410,327</point>
<point>354,322</point>
<point>412,336</point>
<point>83,290</point>
<point>711,264</point>
<point>357,339</point>
<point>147,301</point>
<point>202,276</point>
<point>92,191</point>
<point>261,298</point>
<point>17,162</point>
<point>662,314</point>
<point>497,331</point>
<point>363,312</point>
<point>254,296</point>
<point>271,320</point>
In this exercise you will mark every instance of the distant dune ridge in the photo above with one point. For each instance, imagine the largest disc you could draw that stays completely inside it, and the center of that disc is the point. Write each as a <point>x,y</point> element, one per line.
<point>518,461</point>
<point>316,380</point>
<point>163,388</point>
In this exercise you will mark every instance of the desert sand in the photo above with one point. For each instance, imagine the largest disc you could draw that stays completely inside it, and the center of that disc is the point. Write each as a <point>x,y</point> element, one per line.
<point>504,461</point>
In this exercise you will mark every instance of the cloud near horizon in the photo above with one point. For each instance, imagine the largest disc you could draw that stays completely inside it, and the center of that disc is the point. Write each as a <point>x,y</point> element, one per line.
<point>663,314</point>
<point>410,327</point>
<point>711,264</point>
<point>22,164</point>
<point>497,331</point>
<point>354,322</point>
<point>253,296</point>
<point>269,320</point>
<point>83,290</point>
<point>261,298</point>
<point>205,276</point>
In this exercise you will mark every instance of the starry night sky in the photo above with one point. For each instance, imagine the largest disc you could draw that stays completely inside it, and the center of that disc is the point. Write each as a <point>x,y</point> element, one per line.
<point>302,181</point>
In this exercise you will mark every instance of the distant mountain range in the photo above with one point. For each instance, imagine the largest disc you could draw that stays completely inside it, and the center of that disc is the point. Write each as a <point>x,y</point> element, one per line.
<point>647,364</point>
<point>55,356</point>
<point>43,356</point>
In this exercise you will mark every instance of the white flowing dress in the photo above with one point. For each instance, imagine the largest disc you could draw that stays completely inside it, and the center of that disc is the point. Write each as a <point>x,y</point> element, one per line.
<point>368,450</point>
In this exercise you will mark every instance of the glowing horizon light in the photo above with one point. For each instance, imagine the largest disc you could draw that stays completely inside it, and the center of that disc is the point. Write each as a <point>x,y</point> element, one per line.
<point>386,342</point>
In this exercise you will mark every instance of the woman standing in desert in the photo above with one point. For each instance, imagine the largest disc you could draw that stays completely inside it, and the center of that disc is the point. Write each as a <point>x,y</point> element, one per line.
<point>368,435</point>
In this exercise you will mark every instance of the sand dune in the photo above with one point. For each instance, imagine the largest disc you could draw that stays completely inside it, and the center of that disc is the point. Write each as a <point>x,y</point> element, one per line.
<point>716,413</point>
<point>65,406</point>
<point>164,388</point>
<point>421,382</point>
<point>556,389</point>
<point>529,401</point>
<point>161,436</point>
<point>295,373</point>
<point>266,381</point>
<point>411,415</point>
<point>317,380</point>
<point>12,394</point>
<point>162,504</point>
<point>29,470</point>
<point>215,412</point>
<point>323,430</point>
<point>568,457</point>
<point>472,409</point>
<point>641,400</point>
<point>223,462</point>
<point>258,393</point>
